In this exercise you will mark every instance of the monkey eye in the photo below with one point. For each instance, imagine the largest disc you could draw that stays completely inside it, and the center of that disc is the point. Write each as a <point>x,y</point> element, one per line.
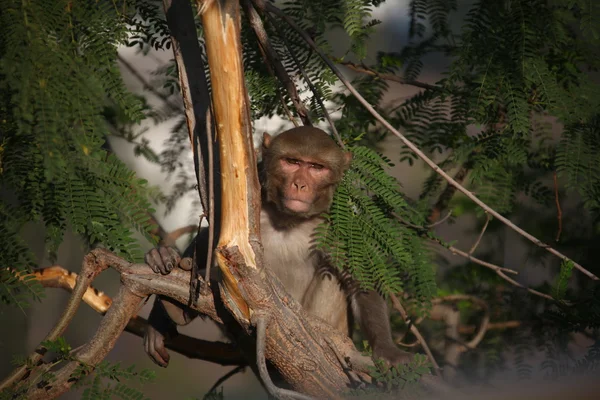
<point>292,161</point>
<point>316,166</point>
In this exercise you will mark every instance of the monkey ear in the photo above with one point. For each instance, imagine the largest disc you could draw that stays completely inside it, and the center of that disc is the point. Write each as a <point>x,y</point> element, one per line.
<point>267,140</point>
<point>347,160</point>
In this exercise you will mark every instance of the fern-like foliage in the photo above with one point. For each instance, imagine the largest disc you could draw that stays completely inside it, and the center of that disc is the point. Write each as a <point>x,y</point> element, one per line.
<point>400,381</point>
<point>363,233</point>
<point>57,72</point>
<point>514,63</point>
<point>578,159</point>
<point>107,382</point>
<point>103,381</point>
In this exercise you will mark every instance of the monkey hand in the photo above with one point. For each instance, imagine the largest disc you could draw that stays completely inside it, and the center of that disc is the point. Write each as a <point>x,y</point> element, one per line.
<point>163,259</point>
<point>160,326</point>
<point>392,354</point>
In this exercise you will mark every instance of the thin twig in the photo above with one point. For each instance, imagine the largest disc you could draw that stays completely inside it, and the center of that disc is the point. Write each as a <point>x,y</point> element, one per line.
<point>415,331</point>
<point>272,9</point>
<point>498,270</point>
<point>408,345</point>
<point>487,221</point>
<point>483,326</point>
<point>441,221</point>
<point>456,251</point>
<point>521,286</point>
<point>446,196</point>
<point>476,260</point>
<point>195,287</point>
<point>558,208</point>
<point>312,87</point>
<point>273,61</point>
<point>469,329</point>
<point>147,86</point>
<point>222,379</point>
<point>385,76</point>
<point>261,336</point>
<point>211,198</point>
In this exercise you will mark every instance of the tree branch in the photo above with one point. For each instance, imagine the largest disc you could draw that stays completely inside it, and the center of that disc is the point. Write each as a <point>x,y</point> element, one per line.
<point>483,326</point>
<point>190,347</point>
<point>485,225</point>
<point>89,270</point>
<point>222,380</point>
<point>278,393</point>
<point>500,271</point>
<point>470,329</point>
<point>363,69</point>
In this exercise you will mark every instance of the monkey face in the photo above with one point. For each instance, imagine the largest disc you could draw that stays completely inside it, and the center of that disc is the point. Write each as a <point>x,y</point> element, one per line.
<point>305,184</point>
<point>301,168</point>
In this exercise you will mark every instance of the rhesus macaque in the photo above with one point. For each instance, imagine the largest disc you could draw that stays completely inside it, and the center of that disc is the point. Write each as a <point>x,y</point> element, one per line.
<point>300,170</point>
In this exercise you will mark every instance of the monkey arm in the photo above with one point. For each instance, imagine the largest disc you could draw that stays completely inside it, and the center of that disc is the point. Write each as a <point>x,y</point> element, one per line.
<point>166,314</point>
<point>371,312</point>
<point>160,326</point>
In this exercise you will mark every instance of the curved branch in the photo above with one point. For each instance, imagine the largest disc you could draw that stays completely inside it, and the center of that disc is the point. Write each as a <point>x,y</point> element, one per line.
<point>217,352</point>
<point>485,321</point>
<point>222,380</point>
<point>415,331</point>
<point>89,270</point>
<point>126,304</point>
<point>476,244</point>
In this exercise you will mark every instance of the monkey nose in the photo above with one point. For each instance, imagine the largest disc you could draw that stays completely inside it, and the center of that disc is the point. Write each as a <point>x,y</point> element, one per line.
<point>299,186</point>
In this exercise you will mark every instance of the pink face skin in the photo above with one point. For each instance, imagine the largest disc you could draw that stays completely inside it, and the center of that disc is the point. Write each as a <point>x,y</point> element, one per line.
<point>303,177</point>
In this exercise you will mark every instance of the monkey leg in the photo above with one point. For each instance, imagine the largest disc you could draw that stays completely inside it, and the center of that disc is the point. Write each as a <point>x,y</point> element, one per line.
<point>370,309</point>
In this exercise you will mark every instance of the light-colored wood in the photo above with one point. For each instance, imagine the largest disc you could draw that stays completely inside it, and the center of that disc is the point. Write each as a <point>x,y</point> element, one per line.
<point>220,19</point>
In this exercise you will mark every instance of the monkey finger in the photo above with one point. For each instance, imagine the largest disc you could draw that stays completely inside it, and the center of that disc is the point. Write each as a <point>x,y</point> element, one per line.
<point>153,259</point>
<point>174,256</point>
<point>153,343</point>
<point>162,352</point>
<point>169,261</point>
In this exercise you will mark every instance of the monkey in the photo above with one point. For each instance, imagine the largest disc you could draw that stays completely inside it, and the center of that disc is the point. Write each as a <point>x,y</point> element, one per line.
<point>299,173</point>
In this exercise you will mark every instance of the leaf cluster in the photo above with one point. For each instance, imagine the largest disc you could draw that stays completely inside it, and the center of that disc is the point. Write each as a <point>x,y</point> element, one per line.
<point>58,72</point>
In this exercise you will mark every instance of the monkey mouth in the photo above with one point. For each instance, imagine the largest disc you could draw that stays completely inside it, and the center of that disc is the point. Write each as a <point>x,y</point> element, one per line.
<point>297,206</point>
